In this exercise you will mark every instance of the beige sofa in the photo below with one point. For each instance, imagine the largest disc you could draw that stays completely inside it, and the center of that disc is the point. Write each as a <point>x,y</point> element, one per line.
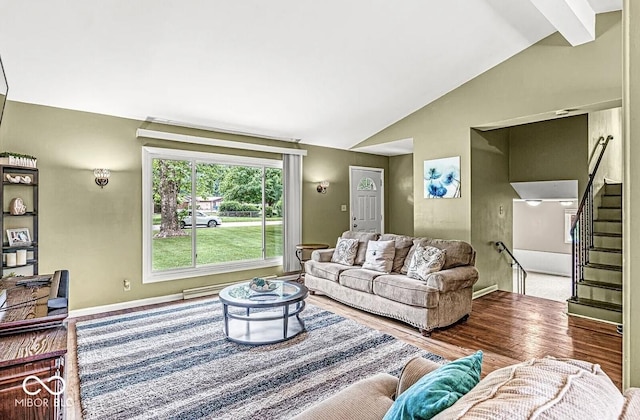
<point>537,389</point>
<point>443,299</point>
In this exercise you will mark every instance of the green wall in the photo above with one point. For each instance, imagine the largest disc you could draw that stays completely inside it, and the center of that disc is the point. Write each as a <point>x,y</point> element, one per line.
<point>323,219</point>
<point>491,207</point>
<point>97,233</point>
<point>400,190</point>
<point>550,151</point>
<point>548,76</point>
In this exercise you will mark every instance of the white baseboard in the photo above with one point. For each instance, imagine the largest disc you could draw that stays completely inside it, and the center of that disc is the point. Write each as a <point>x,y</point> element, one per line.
<point>186,294</point>
<point>485,291</point>
<point>124,305</point>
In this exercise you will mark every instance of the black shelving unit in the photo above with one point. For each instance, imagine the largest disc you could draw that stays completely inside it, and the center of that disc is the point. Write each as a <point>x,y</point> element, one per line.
<point>9,190</point>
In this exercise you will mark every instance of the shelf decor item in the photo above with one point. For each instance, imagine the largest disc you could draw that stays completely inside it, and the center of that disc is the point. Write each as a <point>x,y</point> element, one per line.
<point>17,159</point>
<point>19,237</point>
<point>17,207</point>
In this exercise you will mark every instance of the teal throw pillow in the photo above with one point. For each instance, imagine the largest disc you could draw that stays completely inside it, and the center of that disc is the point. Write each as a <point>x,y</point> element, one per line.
<point>437,390</point>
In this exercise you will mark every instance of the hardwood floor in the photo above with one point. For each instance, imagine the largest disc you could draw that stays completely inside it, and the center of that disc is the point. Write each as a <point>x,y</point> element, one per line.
<point>507,327</point>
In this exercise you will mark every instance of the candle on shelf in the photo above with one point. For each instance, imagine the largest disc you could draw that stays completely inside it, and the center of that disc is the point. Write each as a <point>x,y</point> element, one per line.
<point>11,259</point>
<point>21,257</point>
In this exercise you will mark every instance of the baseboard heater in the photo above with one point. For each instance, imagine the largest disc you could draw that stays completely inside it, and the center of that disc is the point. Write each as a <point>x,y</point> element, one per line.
<point>213,289</point>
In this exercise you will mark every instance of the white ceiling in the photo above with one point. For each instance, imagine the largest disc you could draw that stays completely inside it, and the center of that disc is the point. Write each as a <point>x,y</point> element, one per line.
<point>329,73</point>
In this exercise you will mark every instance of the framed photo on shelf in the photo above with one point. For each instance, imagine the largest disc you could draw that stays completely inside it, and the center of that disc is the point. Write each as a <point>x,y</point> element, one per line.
<point>19,237</point>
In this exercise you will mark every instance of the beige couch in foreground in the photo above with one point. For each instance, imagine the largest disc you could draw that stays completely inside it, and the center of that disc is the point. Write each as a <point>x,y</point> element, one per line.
<point>548,388</point>
<point>441,300</point>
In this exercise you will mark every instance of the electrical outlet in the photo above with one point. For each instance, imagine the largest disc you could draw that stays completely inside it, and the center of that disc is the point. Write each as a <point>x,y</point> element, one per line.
<point>343,207</point>
<point>126,285</point>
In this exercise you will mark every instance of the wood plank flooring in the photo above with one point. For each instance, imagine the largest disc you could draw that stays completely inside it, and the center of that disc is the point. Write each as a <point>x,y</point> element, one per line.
<point>507,327</point>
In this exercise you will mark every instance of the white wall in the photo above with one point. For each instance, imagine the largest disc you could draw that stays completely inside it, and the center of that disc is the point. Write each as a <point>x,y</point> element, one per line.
<point>539,237</point>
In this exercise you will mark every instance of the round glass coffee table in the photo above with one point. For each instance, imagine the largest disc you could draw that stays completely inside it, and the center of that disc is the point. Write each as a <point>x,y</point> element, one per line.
<point>252,317</point>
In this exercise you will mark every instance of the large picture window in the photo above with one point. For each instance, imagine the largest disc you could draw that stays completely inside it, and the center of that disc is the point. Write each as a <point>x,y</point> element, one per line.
<point>207,213</point>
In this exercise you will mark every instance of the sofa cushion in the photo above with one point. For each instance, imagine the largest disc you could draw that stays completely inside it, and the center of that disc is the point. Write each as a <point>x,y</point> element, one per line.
<point>325,270</point>
<point>379,256</point>
<point>437,390</point>
<point>359,279</point>
<point>425,260</point>
<point>458,252</point>
<point>345,252</point>
<point>363,239</point>
<point>546,388</point>
<point>400,288</point>
<point>402,244</point>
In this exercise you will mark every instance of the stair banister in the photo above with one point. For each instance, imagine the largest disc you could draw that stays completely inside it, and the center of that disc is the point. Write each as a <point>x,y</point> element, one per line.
<point>582,226</point>
<point>522,273</point>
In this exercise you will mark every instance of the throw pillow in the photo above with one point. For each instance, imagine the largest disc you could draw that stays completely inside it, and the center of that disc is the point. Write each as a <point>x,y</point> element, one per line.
<point>426,260</point>
<point>403,245</point>
<point>345,252</point>
<point>379,256</point>
<point>437,390</point>
<point>412,250</point>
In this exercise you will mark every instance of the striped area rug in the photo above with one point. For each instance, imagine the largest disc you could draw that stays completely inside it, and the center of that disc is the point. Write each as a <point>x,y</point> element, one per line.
<point>174,363</point>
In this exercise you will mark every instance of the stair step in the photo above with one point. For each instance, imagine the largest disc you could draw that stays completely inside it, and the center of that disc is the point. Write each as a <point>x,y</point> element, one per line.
<point>613,201</point>
<point>613,189</point>
<point>606,256</point>
<point>598,291</point>
<point>607,226</point>
<point>594,309</point>
<point>602,273</point>
<point>607,240</point>
<point>609,213</point>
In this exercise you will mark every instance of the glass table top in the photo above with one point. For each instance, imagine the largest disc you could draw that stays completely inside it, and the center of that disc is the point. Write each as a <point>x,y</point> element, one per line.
<point>242,295</point>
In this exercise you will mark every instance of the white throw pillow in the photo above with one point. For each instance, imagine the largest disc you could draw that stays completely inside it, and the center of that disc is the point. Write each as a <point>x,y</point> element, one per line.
<point>345,252</point>
<point>380,255</point>
<point>425,260</point>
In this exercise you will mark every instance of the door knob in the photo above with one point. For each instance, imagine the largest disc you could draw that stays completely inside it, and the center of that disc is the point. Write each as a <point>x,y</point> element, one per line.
<point>354,225</point>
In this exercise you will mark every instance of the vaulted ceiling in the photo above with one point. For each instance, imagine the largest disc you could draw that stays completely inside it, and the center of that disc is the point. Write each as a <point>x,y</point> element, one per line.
<point>329,73</point>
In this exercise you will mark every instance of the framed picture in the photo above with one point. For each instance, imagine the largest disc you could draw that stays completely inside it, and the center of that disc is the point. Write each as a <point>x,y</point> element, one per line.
<point>19,237</point>
<point>442,178</point>
<point>569,218</point>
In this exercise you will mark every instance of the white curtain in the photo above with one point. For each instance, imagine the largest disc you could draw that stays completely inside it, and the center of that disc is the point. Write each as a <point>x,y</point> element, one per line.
<point>292,174</point>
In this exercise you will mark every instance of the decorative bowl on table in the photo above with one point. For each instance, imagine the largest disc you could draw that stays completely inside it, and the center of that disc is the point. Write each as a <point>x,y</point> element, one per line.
<point>261,285</point>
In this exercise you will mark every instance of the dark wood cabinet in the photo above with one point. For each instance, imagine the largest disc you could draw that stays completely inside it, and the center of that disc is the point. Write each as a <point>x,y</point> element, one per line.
<point>31,375</point>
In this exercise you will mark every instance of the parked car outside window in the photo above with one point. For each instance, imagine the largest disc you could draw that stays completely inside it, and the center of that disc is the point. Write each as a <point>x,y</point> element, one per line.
<point>202,219</point>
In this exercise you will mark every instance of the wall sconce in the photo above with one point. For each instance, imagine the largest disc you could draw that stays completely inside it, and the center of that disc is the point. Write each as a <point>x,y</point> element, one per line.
<point>102,176</point>
<point>322,187</point>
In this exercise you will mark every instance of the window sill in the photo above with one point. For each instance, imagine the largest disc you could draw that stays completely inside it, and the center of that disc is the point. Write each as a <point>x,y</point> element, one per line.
<point>208,270</point>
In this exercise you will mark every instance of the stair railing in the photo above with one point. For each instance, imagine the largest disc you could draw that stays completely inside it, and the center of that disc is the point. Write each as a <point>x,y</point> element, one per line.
<point>521,273</point>
<point>582,226</point>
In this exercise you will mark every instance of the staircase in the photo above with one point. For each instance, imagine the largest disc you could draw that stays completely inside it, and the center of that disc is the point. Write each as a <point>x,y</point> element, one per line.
<point>598,291</point>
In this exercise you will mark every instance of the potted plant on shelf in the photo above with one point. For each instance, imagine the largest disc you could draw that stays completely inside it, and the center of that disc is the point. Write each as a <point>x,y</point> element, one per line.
<point>17,159</point>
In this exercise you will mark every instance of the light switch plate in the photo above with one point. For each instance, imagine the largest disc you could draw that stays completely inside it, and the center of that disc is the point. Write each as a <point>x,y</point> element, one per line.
<point>343,207</point>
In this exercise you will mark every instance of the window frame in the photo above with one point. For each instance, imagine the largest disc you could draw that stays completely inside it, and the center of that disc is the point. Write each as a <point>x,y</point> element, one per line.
<point>151,276</point>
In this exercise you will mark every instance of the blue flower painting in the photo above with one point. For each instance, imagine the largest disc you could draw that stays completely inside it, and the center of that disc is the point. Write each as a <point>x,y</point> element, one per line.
<point>442,178</point>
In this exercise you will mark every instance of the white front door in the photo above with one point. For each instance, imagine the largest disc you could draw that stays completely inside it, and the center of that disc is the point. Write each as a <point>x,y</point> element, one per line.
<point>367,204</point>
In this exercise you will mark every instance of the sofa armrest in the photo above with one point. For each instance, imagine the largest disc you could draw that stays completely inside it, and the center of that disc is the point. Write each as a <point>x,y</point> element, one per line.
<point>453,279</point>
<point>322,255</point>
<point>368,398</point>
<point>415,369</point>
